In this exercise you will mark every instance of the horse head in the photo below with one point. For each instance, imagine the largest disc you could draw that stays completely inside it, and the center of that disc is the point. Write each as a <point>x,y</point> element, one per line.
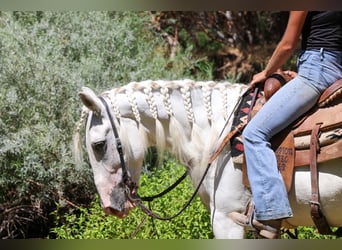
<point>114,181</point>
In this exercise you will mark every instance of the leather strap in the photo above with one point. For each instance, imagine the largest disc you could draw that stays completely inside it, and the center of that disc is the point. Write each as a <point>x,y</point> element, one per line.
<point>255,97</point>
<point>279,77</point>
<point>316,212</point>
<point>334,89</point>
<point>227,138</point>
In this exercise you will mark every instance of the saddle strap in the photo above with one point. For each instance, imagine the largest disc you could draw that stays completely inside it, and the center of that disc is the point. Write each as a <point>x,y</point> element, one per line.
<point>316,212</point>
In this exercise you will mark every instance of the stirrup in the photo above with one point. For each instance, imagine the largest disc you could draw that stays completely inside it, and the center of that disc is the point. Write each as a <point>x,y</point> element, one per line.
<point>263,230</point>
<point>267,231</point>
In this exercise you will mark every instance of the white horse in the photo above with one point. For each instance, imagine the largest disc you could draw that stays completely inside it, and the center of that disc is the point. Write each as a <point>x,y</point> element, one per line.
<point>189,119</point>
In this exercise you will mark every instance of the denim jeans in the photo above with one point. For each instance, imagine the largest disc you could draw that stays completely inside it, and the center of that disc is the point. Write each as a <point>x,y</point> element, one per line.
<point>317,70</point>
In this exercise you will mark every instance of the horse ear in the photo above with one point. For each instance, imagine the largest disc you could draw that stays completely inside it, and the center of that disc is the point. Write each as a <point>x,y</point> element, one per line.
<point>90,100</point>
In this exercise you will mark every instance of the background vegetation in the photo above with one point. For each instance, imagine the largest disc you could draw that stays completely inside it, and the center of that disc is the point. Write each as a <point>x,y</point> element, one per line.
<point>45,58</point>
<point>192,224</point>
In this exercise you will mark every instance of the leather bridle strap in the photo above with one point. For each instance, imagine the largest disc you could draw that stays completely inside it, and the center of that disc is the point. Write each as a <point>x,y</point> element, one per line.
<point>125,175</point>
<point>316,212</point>
<point>175,184</point>
<point>255,97</point>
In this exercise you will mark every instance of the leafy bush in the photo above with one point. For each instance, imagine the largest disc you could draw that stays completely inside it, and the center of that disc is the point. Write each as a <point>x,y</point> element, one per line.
<point>45,58</point>
<point>193,223</point>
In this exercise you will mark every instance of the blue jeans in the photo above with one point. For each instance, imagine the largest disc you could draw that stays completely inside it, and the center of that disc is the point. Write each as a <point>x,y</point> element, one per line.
<point>317,70</point>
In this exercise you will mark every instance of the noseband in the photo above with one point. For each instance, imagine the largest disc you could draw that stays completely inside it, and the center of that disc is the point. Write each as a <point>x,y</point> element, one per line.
<point>129,185</point>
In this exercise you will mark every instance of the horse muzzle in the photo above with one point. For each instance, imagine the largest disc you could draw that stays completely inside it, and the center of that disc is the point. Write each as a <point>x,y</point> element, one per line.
<point>114,212</point>
<point>119,208</point>
<point>119,204</point>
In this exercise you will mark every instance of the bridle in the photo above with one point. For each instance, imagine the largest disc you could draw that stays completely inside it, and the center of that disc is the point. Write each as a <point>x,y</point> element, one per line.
<point>131,187</point>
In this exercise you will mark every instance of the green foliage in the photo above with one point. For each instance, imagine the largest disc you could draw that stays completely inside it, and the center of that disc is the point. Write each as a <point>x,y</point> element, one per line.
<point>45,58</point>
<point>37,103</point>
<point>193,223</point>
<point>309,233</point>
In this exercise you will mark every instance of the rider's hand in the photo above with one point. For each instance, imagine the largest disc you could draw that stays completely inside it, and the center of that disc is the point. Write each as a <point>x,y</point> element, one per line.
<point>258,78</point>
<point>291,74</point>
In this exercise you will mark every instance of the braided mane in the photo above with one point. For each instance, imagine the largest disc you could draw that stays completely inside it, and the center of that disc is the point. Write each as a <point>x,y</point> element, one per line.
<point>187,115</point>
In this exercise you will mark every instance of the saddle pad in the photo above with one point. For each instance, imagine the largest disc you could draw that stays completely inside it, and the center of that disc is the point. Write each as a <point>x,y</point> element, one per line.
<point>241,114</point>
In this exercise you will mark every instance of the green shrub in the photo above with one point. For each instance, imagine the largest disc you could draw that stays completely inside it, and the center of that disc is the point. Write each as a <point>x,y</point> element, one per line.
<point>45,58</point>
<point>193,223</point>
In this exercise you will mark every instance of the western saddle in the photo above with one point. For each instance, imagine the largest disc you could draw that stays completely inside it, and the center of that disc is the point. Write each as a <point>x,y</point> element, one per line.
<point>314,138</point>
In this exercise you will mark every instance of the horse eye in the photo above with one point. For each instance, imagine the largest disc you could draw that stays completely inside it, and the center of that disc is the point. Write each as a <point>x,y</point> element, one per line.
<point>100,146</point>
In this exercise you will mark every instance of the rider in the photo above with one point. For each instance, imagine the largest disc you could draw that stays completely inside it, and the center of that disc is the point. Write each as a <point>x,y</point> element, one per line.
<point>319,65</point>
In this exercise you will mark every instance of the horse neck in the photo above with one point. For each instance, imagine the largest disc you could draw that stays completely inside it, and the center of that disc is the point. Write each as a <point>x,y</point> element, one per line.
<point>184,117</point>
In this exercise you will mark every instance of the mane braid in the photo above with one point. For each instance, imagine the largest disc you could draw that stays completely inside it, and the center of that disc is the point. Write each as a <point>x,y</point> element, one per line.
<point>186,94</point>
<point>151,102</point>
<point>207,101</point>
<point>114,105</point>
<point>134,105</point>
<point>224,102</point>
<point>185,147</point>
<point>166,99</point>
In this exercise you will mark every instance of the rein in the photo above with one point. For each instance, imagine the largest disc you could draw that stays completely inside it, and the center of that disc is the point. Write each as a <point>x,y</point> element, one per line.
<point>151,198</point>
<point>152,214</point>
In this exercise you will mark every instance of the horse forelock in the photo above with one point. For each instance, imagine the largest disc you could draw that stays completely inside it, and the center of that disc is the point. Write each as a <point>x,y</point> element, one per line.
<point>77,140</point>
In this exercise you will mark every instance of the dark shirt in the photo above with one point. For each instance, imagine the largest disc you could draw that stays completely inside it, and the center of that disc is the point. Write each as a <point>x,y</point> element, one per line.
<point>322,30</point>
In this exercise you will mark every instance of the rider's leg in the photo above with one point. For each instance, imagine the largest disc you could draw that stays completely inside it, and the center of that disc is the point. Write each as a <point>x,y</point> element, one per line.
<point>285,106</point>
